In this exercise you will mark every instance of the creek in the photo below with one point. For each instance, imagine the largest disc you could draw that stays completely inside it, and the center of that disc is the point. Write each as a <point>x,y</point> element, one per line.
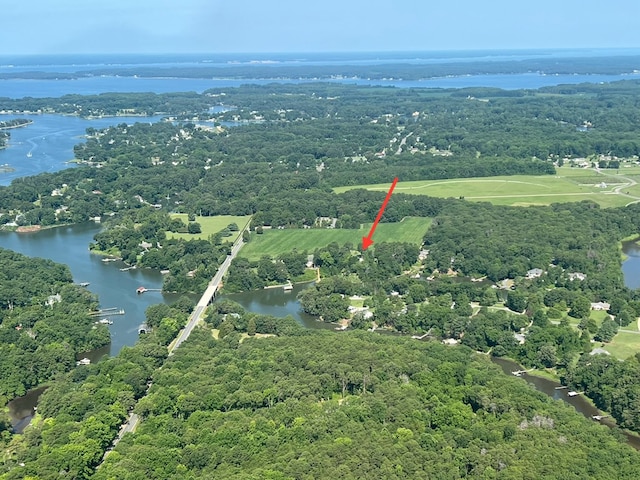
<point>549,388</point>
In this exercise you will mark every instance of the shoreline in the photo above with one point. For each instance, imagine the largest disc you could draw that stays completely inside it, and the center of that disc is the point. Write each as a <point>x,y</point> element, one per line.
<point>9,127</point>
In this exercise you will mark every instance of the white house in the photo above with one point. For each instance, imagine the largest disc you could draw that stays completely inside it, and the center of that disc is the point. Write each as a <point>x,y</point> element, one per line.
<point>600,306</point>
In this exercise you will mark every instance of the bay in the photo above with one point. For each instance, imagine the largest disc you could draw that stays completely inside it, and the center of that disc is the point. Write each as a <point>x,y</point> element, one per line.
<point>19,88</point>
<point>46,145</point>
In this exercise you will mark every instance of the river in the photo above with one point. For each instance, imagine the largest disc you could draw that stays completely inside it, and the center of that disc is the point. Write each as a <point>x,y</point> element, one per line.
<point>279,303</point>
<point>548,387</point>
<point>47,144</point>
<point>631,264</point>
<point>69,245</point>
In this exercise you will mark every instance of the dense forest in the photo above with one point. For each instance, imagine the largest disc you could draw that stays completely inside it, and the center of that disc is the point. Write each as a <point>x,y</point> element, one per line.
<point>81,411</point>
<point>354,406</point>
<point>44,323</point>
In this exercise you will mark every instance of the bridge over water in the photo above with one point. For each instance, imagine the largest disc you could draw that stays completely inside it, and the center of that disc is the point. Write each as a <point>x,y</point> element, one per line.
<point>207,297</point>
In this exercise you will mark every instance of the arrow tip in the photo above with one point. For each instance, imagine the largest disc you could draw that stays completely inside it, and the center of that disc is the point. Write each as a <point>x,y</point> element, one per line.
<point>366,243</point>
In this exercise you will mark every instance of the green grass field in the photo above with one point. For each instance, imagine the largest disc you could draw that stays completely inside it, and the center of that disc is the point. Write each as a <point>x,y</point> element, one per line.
<point>569,185</point>
<point>275,242</point>
<point>623,345</point>
<point>210,226</point>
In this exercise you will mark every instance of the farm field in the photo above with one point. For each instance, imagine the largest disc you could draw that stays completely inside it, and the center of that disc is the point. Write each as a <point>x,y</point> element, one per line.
<point>210,226</point>
<point>568,185</point>
<point>275,242</point>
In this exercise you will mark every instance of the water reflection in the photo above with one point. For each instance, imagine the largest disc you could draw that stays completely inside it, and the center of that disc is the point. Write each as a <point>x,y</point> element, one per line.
<point>22,409</point>
<point>631,265</point>
<point>278,303</point>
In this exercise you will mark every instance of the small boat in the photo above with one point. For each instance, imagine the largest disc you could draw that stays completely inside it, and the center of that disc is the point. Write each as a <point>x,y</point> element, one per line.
<point>84,284</point>
<point>84,361</point>
<point>598,417</point>
<point>29,155</point>
<point>287,287</point>
<point>574,394</point>
<point>106,321</point>
<point>140,290</point>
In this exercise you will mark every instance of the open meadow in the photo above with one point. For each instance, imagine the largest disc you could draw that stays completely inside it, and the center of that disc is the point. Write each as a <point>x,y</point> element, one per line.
<point>606,187</point>
<point>273,242</point>
<point>211,226</point>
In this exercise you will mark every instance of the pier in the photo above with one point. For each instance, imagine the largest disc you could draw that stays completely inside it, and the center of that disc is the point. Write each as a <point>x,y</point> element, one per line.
<point>108,312</point>
<point>207,297</point>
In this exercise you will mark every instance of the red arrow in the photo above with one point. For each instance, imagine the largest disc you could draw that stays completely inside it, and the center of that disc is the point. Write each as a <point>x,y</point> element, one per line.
<point>366,241</point>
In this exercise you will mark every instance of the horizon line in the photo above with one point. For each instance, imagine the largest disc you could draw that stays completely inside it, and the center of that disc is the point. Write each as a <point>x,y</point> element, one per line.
<point>334,52</point>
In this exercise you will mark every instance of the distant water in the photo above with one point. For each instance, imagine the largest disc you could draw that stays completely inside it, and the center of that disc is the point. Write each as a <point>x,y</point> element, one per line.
<point>75,63</point>
<point>19,88</point>
<point>47,144</point>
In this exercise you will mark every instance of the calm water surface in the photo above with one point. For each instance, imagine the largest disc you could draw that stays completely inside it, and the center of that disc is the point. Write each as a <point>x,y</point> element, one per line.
<point>631,265</point>
<point>279,303</point>
<point>70,245</point>
<point>548,387</point>
<point>47,144</point>
<point>19,88</point>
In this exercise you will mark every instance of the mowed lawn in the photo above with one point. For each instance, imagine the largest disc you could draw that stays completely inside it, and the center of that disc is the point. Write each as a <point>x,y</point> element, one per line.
<point>569,185</point>
<point>623,345</point>
<point>274,242</point>
<point>210,226</point>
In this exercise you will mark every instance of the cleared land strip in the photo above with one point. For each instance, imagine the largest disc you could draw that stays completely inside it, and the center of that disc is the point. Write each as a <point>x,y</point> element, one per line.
<point>607,189</point>
<point>273,242</point>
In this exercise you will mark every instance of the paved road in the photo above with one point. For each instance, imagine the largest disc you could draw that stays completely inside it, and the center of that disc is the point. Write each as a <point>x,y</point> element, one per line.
<point>207,296</point>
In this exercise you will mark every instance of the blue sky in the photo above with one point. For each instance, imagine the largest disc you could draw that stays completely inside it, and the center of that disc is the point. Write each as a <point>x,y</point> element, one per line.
<point>177,26</point>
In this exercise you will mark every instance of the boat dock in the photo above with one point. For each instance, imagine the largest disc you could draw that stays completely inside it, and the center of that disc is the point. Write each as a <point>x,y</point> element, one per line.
<point>519,373</point>
<point>108,311</point>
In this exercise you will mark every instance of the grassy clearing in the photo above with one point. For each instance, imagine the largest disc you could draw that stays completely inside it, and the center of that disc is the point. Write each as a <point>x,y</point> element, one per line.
<point>569,185</point>
<point>309,275</point>
<point>244,336</point>
<point>210,226</point>
<point>275,242</point>
<point>623,345</point>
